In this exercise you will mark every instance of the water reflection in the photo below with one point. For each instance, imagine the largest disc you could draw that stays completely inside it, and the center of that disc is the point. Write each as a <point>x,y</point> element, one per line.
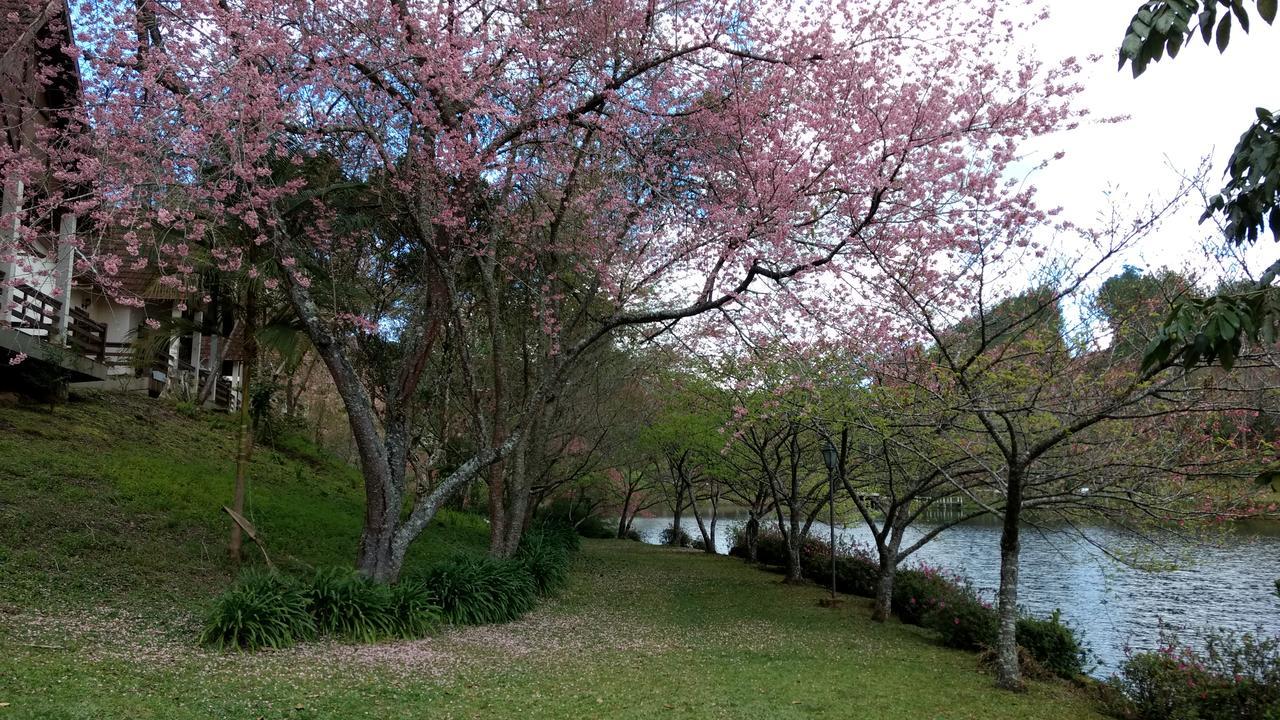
<point>1231,585</point>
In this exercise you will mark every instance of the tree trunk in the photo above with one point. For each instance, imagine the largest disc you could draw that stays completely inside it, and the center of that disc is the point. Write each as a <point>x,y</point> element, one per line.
<point>795,543</point>
<point>715,519</point>
<point>888,552</point>
<point>1008,673</point>
<point>622,519</point>
<point>708,538</point>
<point>245,451</point>
<point>385,539</point>
<point>753,538</point>
<point>675,518</point>
<point>497,508</point>
<point>500,519</point>
<point>519,513</point>
<point>377,559</point>
<point>884,585</point>
<point>793,559</point>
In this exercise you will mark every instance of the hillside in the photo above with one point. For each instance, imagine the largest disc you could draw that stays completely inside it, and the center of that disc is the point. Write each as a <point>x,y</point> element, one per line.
<point>112,543</point>
<point>117,498</point>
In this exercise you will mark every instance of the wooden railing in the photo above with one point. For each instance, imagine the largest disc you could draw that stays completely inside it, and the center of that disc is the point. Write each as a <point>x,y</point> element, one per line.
<point>118,354</point>
<point>222,393</point>
<point>34,312</point>
<point>85,336</point>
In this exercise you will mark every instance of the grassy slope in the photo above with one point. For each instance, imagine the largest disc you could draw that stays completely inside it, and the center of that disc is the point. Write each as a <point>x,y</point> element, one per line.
<point>117,495</point>
<point>108,547</point>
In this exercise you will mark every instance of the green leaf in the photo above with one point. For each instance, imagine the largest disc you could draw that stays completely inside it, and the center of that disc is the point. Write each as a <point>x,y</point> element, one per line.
<point>1131,47</point>
<point>1207,16</point>
<point>1226,356</point>
<point>1267,9</point>
<point>1237,7</point>
<point>1224,33</point>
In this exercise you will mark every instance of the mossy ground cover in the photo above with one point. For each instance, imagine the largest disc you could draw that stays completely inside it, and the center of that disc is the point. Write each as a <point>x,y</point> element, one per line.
<point>111,548</point>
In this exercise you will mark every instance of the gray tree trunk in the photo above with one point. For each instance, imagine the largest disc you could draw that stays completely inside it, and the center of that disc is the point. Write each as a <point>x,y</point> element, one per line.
<point>1008,673</point>
<point>884,584</point>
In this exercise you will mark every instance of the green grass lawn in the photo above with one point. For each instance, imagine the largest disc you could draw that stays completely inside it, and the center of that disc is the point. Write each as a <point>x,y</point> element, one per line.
<point>110,546</point>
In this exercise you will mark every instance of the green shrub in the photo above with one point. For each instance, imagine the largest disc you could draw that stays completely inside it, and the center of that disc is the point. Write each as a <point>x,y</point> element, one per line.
<point>1054,644</point>
<point>416,612</point>
<point>771,549</point>
<point>918,591</point>
<point>546,558</point>
<point>964,622</point>
<point>856,571</point>
<point>578,517</point>
<point>558,531</point>
<point>1235,677</point>
<point>596,529</point>
<point>347,605</point>
<point>481,590</point>
<point>857,574</point>
<point>260,610</point>
<point>683,541</point>
<point>633,535</point>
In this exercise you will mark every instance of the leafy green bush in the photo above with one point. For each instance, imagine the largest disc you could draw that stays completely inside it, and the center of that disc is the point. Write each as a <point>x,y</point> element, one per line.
<point>563,533</point>
<point>633,535</point>
<point>481,590</point>
<point>347,605</point>
<point>578,517</point>
<point>666,537</point>
<point>1054,644</point>
<point>596,529</point>
<point>771,549</point>
<point>260,610</point>
<point>918,591</point>
<point>964,622</point>
<point>856,571</point>
<point>545,556</point>
<point>857,574</point>
<point>1235,677</point>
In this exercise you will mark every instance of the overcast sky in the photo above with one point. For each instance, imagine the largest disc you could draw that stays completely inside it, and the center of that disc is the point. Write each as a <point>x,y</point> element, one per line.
<point>1179,111</point>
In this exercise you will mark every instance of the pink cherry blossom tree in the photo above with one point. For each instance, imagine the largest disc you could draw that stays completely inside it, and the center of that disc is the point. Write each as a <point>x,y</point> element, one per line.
<point>601,166</point>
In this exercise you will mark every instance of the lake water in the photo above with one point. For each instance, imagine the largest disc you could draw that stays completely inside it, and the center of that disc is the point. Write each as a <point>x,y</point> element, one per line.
<point>1230,584</point>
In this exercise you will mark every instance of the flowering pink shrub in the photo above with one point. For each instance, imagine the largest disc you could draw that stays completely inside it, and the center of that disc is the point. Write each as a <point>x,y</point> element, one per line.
<point>1235,677</point>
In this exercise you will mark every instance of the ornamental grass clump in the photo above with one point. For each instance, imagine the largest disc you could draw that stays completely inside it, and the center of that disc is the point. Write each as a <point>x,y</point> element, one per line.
<point>261,610</point>
<point>347,605</point>
<point>482,590</point>
<point>415,609</point>
<point>545,556</point>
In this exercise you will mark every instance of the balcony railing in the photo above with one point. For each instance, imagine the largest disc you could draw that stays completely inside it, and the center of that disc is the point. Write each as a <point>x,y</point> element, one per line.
<point>36,314</point>
<point>85,336</point>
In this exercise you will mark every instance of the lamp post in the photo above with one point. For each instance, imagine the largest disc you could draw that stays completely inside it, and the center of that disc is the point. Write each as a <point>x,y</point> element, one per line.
<point>831,458</point>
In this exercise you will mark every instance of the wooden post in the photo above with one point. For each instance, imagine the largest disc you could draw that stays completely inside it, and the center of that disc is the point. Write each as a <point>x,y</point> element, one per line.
<point>62,281</point>
<point>197,343</point>
<point>175,345</point>
<point>10,204</point>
